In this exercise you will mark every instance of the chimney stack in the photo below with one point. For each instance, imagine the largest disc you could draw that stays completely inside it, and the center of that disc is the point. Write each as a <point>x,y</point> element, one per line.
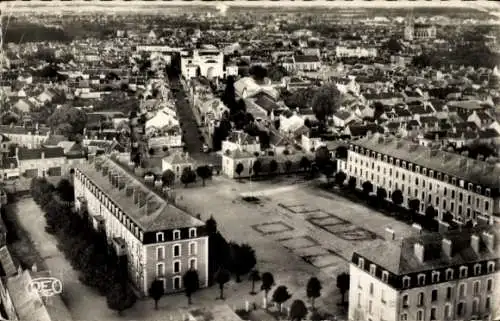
<point>390,235</point>
<point>417,228</point>
<point>447,247</point>
<point>418,249</point>
<point>43,155</point>
<point>489,239</point>
<point>474,242</point>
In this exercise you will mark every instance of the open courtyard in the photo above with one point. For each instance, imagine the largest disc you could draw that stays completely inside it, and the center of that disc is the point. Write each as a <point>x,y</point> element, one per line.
<point>297,230</point>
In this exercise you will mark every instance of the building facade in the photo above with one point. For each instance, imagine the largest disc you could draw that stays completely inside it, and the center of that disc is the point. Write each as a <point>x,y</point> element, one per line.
<point>160,241</point>
<point>206,63</point>
<point>450,276</point>
<point>466,188</point>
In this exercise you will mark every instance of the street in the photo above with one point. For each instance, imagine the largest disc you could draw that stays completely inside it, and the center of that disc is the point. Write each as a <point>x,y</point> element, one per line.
<point>192,140</point>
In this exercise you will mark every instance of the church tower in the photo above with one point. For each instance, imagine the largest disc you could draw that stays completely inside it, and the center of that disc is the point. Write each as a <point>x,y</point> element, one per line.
<point>409,28</point>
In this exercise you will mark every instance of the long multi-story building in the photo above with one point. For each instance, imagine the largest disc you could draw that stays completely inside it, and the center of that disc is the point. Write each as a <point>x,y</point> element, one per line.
<point>160,240</point>
<point>466,188</point>
<point>448,276</point>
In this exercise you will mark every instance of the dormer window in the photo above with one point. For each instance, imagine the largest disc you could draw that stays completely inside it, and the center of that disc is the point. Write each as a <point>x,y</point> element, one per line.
<point>406,282</point>
<point>397,162</point>
<point>469,186</point>
<point>160,237</point>
<point>385,158</point>
<point>361,263</point>
<point>478,189</point>
<point>477,269</point>
<point>454,181</point>
<point>449,274</point>
<point>192,232</point>
<point>421,279</point>
<point>431,173</point>
<point>446,178</point>
<point>417,169</point>
<point>435,276</point>
<point>463,272</point>
<point>439,176</point>
<point>177,235</point>
<point>385,276</point>
<point>491,267</point>
<point>373,269</point>
<point>424,171</point>
<point>410,167</point>
<point>487,192</point>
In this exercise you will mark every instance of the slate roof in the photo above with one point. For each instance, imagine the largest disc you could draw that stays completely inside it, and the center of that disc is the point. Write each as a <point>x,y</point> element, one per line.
<point>470,170</point>
<point>163,216</point>
<point>19,130</point>
<point>399,257</point>
<point>240,137</point>
<point>36,153</point>
<point>306,59</point>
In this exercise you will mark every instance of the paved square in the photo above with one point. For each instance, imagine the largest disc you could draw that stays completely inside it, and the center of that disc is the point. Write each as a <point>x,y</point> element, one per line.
<point>272,227</point>
<point>325,260</point>
<point>298,208</point>
<point>299,242</point>
<point>356,234</point>
<point>330,220</point>
<point>310,251</point>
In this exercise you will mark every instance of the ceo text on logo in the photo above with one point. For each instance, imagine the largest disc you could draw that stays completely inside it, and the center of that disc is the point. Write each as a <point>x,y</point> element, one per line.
<point>48,286</point>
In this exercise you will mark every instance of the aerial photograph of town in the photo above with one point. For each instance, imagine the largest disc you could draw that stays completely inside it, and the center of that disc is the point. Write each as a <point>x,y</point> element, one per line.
<point>224,161</point>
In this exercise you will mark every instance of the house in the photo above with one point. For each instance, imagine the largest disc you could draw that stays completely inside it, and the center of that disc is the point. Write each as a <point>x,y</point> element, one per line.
<point>303,63</point>
<point>24,105</point>
<point>290,122</point>
<point>247,87</point>
<point>25,137</point>
<point>364,111</point>
<point>177,162</point>
<point>208,63</point>
<point>359,131</point>
<point>241,141</point>
<point>349,51</point>
<point>41,161</point>
<point>481,118</point>
<point>343,117</point>
<point>310,143</point>
<point>231,160</point>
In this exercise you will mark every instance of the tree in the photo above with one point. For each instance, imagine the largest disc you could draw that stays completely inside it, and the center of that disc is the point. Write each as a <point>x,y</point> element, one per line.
<point>65,190</point>
<point>229,96</point>
<point>222,276</point>
<point>397,197</point>
<point>367,188</point>
<point>343,281</point>
<point>414,205</point>
<point>244,259</point>
<point>239,169</point>
<point>204,172</point>
<point>328,169</point>
<point>340,178</point>
<point>288,166</point>
<point>257,167</point>
<point>352,183</point>
<point>322,156</point>
<point>448,217</point>
<point>267,283</point>
<point>381,195</point>
<point>378,110</point>
<point>313,289</point>
<point>168,178</point>
<point>258,73</point>
<point>156,291</point>
<point>298,310</point>
<point>393,45</point>
<point>211,225</point>
<point>254,277</point>
<point>430,214</point>
<point>281,295</point>
<point>326,101</point>
<point>188,176</point>
<point>191,283</point>
<point>120,298</point>
<point>151,151</point>
<point>305,163</point>
<point>68,121</point>
<point>273,166</point>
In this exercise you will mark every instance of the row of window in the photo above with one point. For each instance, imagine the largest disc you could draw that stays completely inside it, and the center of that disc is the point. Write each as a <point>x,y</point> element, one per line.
<point>421,278</point>
<point>176,267</point>
<point>176,251</point>
<point>429,185</point>
<point>176,281</point>
<point>113,208</point>
<point>461,310</point>
<point>461,293</point>
<point>176,235</point>
<point>417,169</point>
